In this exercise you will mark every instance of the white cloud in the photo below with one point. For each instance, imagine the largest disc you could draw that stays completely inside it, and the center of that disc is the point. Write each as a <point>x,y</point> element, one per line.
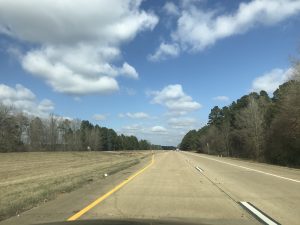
<point>198,28</point>
<point>180,122</point>
<point>142,130</point>
<point>158,129</point>
<point>46,105</point>
<point>270,81</point>
<point>176,101</point>
<point>137,115</point>
<point>99,117</point>
<point>165,51</point>
<point>23,99</point>
<point>221,98</point>
<point>171,9</point>
<point>76,44</point>
<point>162,133</point>
<point>129,71</point>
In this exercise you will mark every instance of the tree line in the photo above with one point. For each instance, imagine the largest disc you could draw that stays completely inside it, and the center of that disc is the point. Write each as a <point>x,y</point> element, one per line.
<point>256,126</point>
<point>21,132</point>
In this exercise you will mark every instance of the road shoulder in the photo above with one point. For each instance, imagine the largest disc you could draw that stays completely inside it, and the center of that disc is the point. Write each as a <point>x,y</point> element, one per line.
<point>67,204</point>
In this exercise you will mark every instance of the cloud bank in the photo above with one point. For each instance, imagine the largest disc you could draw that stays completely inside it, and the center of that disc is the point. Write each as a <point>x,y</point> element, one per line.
<point>198,29</point>
<point>270,81</point>
<point>24,100</point>
<point>77,46</point>
<point>137,115</point>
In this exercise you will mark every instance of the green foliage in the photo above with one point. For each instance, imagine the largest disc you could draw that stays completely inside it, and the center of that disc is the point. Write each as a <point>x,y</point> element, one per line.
<point>255,126</point>
<point>189,141</point>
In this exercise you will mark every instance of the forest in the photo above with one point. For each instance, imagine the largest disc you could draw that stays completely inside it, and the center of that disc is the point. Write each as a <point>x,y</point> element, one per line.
<point>21,132</point>
<point>256,127</point>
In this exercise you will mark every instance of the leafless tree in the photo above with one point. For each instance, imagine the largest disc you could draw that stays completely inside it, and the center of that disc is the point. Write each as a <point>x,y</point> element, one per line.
<point>251,121</point>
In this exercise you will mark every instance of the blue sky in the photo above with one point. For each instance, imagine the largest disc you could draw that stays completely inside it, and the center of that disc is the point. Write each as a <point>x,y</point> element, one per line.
<point>149,68</point>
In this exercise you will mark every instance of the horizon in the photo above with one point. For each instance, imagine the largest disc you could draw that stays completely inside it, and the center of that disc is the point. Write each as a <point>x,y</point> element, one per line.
<point>152,69</point>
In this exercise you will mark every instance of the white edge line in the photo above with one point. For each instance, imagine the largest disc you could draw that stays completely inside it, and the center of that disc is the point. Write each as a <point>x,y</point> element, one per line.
<point>258,214</point>
<point>198,168</point>
<point>258,171</point>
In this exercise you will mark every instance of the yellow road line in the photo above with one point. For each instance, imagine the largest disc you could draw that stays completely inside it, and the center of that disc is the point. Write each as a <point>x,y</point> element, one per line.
<point>103,197</point>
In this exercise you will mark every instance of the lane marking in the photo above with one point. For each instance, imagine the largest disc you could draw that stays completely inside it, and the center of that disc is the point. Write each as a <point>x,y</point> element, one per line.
<point>199,169</point>
<point>258,214</point>
<point>103,197</point>
<point>247,168</point>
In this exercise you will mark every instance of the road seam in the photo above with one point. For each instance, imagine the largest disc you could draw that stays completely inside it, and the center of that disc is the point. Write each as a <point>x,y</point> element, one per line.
<point>103,197</point>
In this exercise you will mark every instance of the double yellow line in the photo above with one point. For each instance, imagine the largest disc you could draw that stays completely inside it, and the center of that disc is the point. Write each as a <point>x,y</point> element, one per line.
<point>103,197</point>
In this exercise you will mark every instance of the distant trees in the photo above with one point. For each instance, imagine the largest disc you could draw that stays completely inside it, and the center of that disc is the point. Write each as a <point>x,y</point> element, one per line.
<point>10,132</point>
<point>255,126</point>
<point>250,122</point>
<point>168,147</point>
<point>36,134</point>
<point>20,132</point>
<point>283,138</point>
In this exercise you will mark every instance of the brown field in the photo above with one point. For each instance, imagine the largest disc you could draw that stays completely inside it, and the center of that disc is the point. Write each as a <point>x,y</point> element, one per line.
<point>32,178</point>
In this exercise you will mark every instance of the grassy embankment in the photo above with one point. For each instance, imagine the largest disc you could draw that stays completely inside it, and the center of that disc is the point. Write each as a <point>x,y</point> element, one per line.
<point>32,178</point>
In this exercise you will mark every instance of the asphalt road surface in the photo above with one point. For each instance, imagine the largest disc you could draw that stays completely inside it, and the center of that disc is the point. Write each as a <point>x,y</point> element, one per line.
<point>183,187</point>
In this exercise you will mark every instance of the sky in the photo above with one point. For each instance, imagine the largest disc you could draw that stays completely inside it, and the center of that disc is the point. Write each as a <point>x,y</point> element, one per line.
<point>153,69</point>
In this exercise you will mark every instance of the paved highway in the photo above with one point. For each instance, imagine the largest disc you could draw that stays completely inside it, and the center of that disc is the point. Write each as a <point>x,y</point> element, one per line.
<point>184,187</point>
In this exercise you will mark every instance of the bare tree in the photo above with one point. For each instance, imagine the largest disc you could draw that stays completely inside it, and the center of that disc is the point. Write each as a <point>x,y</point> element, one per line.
<point>251,121</point>
<point>9,132</point>
<point>225,133</point>
<point>52,134</point>
<point>36,134</point>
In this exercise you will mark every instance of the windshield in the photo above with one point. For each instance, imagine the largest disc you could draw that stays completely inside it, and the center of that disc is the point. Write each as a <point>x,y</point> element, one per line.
<point>149,112</point>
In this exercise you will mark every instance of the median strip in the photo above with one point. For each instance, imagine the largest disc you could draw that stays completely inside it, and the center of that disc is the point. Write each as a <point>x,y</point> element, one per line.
<point>105,196</point>
<point>261,216</point>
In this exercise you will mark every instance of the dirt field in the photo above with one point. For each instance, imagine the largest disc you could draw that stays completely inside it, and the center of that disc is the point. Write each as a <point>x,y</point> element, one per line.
<point>31,178</point>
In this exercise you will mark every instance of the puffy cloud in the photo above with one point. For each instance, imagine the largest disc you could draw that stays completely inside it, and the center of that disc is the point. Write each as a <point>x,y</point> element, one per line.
<point>76,44</point>
<point>137,115</point>
<point>198,28</point>
<point>129,71</point>
<point>176,101</point>
<point>165,51</point>
<point>170,133</point>
<point>46,105</point>
<point>270,81</point>
<point>171,9</point>
<point>63,78</point>
<point>99,117</point>
<point>23,99</point>
<point>158,129</point>
<point>221,98</point>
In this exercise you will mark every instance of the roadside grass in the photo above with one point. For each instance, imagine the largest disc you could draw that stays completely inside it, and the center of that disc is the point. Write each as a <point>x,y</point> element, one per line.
<point>31,178</point>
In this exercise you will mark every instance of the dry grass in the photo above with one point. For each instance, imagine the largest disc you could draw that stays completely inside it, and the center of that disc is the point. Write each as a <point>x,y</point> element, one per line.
<point>31,178</point>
